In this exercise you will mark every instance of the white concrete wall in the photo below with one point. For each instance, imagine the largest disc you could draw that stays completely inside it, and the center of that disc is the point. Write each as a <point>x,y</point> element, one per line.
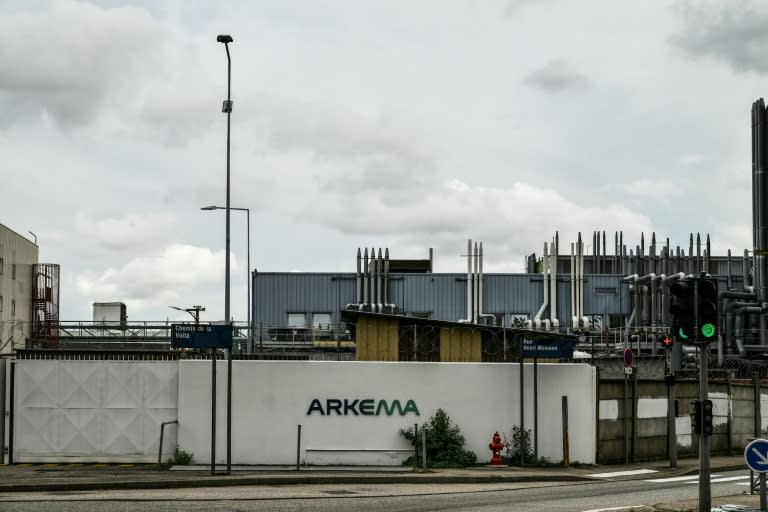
<point>270,398</point>
<point>93,411</point>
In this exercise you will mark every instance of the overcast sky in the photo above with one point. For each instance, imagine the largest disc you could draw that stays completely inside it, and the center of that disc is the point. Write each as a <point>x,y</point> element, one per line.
<point>401,124</point>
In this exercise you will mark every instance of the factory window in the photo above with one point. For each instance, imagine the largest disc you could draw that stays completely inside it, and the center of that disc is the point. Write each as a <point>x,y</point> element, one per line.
<point>321,321</point>
<point>519,320</point>
<point>13,307</point>
<point>1,303</point>
<point>297,319</point>
<point>1,265</point>
<point>13,271</point>
<point>422,314</point>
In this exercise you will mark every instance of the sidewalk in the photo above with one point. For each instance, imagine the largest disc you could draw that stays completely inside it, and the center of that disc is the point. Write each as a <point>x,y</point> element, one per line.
<point>76,477</point>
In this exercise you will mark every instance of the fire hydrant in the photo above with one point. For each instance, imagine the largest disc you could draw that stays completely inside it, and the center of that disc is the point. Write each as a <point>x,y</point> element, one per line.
<point>496,446</point>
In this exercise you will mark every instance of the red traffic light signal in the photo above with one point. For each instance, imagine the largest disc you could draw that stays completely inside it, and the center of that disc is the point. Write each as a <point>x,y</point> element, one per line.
<point>666,341</point>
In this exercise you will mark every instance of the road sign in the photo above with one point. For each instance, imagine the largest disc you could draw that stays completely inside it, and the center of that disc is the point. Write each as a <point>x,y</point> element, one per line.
<point>629,357</point>
<point>756,455</point>
<point>559,348</point>
<point>628,370</point>
<point>201,336</point>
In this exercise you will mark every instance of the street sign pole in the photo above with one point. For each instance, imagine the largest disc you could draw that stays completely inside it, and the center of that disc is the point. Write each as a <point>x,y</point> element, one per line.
<point>705,492</point>
<point>756,457</point>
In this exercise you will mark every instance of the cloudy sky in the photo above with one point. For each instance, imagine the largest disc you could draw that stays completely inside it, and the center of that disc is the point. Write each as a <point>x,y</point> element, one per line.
<point>401,124</point>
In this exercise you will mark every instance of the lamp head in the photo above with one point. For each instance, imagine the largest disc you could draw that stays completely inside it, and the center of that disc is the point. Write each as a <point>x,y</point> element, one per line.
<point>224,38</point>
<point>209,208</point>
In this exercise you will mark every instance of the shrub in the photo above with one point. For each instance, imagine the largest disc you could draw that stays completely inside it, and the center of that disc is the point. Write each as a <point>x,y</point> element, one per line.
<point>181,458</point>
<point>444,444</point>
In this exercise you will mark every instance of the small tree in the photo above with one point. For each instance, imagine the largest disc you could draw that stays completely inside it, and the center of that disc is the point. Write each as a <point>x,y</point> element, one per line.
<point>519,443</point>
<point>444,443</point>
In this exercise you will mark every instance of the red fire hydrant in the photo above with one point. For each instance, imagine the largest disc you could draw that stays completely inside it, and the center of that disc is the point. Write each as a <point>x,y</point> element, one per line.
<point>496,446</point>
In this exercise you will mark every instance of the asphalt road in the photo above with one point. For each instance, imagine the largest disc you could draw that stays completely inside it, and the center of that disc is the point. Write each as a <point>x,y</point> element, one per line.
<point>613,495</point>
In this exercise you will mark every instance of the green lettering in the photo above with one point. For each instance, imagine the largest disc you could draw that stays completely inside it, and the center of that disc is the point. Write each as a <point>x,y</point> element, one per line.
<point>410,406</point>
<point>391,409</point>
<point>366,407</point>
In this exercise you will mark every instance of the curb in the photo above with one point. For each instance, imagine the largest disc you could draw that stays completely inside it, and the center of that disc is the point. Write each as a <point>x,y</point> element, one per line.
<point>285,480</point>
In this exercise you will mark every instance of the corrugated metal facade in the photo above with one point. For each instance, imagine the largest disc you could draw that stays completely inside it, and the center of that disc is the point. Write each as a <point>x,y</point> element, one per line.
<point>438,296</point>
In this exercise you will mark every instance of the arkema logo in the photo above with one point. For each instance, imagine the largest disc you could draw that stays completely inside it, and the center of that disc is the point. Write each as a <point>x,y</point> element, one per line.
<point>367,407</point>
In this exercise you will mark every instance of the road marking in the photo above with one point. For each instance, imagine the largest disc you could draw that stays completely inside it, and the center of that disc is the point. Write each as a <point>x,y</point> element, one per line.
<point>729,479</point>
<point>612,508</point>
<point>676,479</point>
<point>622,473</point>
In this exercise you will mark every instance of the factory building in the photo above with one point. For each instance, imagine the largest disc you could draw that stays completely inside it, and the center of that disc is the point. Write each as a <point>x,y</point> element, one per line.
<point>18,256</point>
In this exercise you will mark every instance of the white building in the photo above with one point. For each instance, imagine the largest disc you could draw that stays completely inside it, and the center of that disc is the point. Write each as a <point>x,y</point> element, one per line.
<point>18,255</point>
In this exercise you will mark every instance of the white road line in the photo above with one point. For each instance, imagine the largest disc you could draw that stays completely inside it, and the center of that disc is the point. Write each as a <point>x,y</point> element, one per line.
<point>729,479</point>
<point>674,479</point>
<point>612,508</point>
<point>622,473</point>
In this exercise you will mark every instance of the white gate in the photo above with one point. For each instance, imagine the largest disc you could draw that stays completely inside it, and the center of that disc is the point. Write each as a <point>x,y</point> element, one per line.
<point>93,411</point>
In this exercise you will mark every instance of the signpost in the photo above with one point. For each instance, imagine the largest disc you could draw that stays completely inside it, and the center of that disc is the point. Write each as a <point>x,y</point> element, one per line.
<point>213,337</point>
<point>558,348</point>
<point>756,457</point>
<point>201,336</point>
<point>629,358</point>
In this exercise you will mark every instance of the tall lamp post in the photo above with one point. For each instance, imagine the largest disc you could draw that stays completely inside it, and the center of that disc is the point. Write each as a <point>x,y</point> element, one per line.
<point>247,270</point>
<point>227,108</point>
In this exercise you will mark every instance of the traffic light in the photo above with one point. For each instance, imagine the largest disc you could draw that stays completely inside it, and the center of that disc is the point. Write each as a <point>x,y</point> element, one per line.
<point>696,416</point>
<point>706,418</point>
<point>681,309</point>
<point>666,341</point>
<point>707,304</point>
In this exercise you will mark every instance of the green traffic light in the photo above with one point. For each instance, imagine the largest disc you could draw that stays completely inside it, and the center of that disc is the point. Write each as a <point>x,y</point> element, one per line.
<point>681,333</point>
<point>708,330</point>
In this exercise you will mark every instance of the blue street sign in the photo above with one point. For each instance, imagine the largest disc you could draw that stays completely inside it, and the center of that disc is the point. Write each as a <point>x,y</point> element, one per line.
<point>201,336</point>
<point>756,455</point>
<point>560,348</point>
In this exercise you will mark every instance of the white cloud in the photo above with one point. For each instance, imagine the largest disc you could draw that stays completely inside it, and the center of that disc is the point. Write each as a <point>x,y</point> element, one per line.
<point>71,60</point>
<point>168,275</point>
<point>129,232</point>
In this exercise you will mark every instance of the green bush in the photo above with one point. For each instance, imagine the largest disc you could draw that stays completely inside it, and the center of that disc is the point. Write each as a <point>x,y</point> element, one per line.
<point>181,458</point>
<point>519,443</point>
<point>444,444</point>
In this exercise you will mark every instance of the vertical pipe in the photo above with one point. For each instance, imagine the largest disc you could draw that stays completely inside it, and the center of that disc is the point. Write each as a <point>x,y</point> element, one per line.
<point>566,448</point>
<point>298,446</point>
<point>424,449</point>
<point>475,286</point>
<point>536,408</point>
<point>213,411</point>
<point>469,280</point>
<point>603,266</point>
<point>359,281</point>
<point>365,281</point>
<point>522,404</point>
<point>229,411</point>
<point>671,423</point>
<point>729,281</point>
<point>691,270</point>
<point>415,445</point>
<point>573,289</point>
<point>698,253</point>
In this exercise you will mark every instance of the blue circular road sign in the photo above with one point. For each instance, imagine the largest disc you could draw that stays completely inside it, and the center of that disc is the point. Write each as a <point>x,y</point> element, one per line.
<point>756,455</point>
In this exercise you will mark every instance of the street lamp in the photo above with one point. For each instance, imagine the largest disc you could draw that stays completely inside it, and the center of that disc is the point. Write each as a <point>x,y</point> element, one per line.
<point>227,108</point>
<point>194,311</point>
<point>247,270</point>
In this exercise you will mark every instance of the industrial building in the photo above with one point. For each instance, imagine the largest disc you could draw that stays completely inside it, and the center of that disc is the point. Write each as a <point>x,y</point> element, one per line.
<point>18,257</point>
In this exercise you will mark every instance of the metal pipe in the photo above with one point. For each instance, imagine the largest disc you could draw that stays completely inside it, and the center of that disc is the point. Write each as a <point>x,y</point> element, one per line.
<point>379,270</point>
<point>553,283</point>
<point>746,275</point>
<point>387,304</point>
<point>364,304</point>
<point>480,290</point>
<point>574,318</point>
<point>469,284</point>
<point>545,303</point>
